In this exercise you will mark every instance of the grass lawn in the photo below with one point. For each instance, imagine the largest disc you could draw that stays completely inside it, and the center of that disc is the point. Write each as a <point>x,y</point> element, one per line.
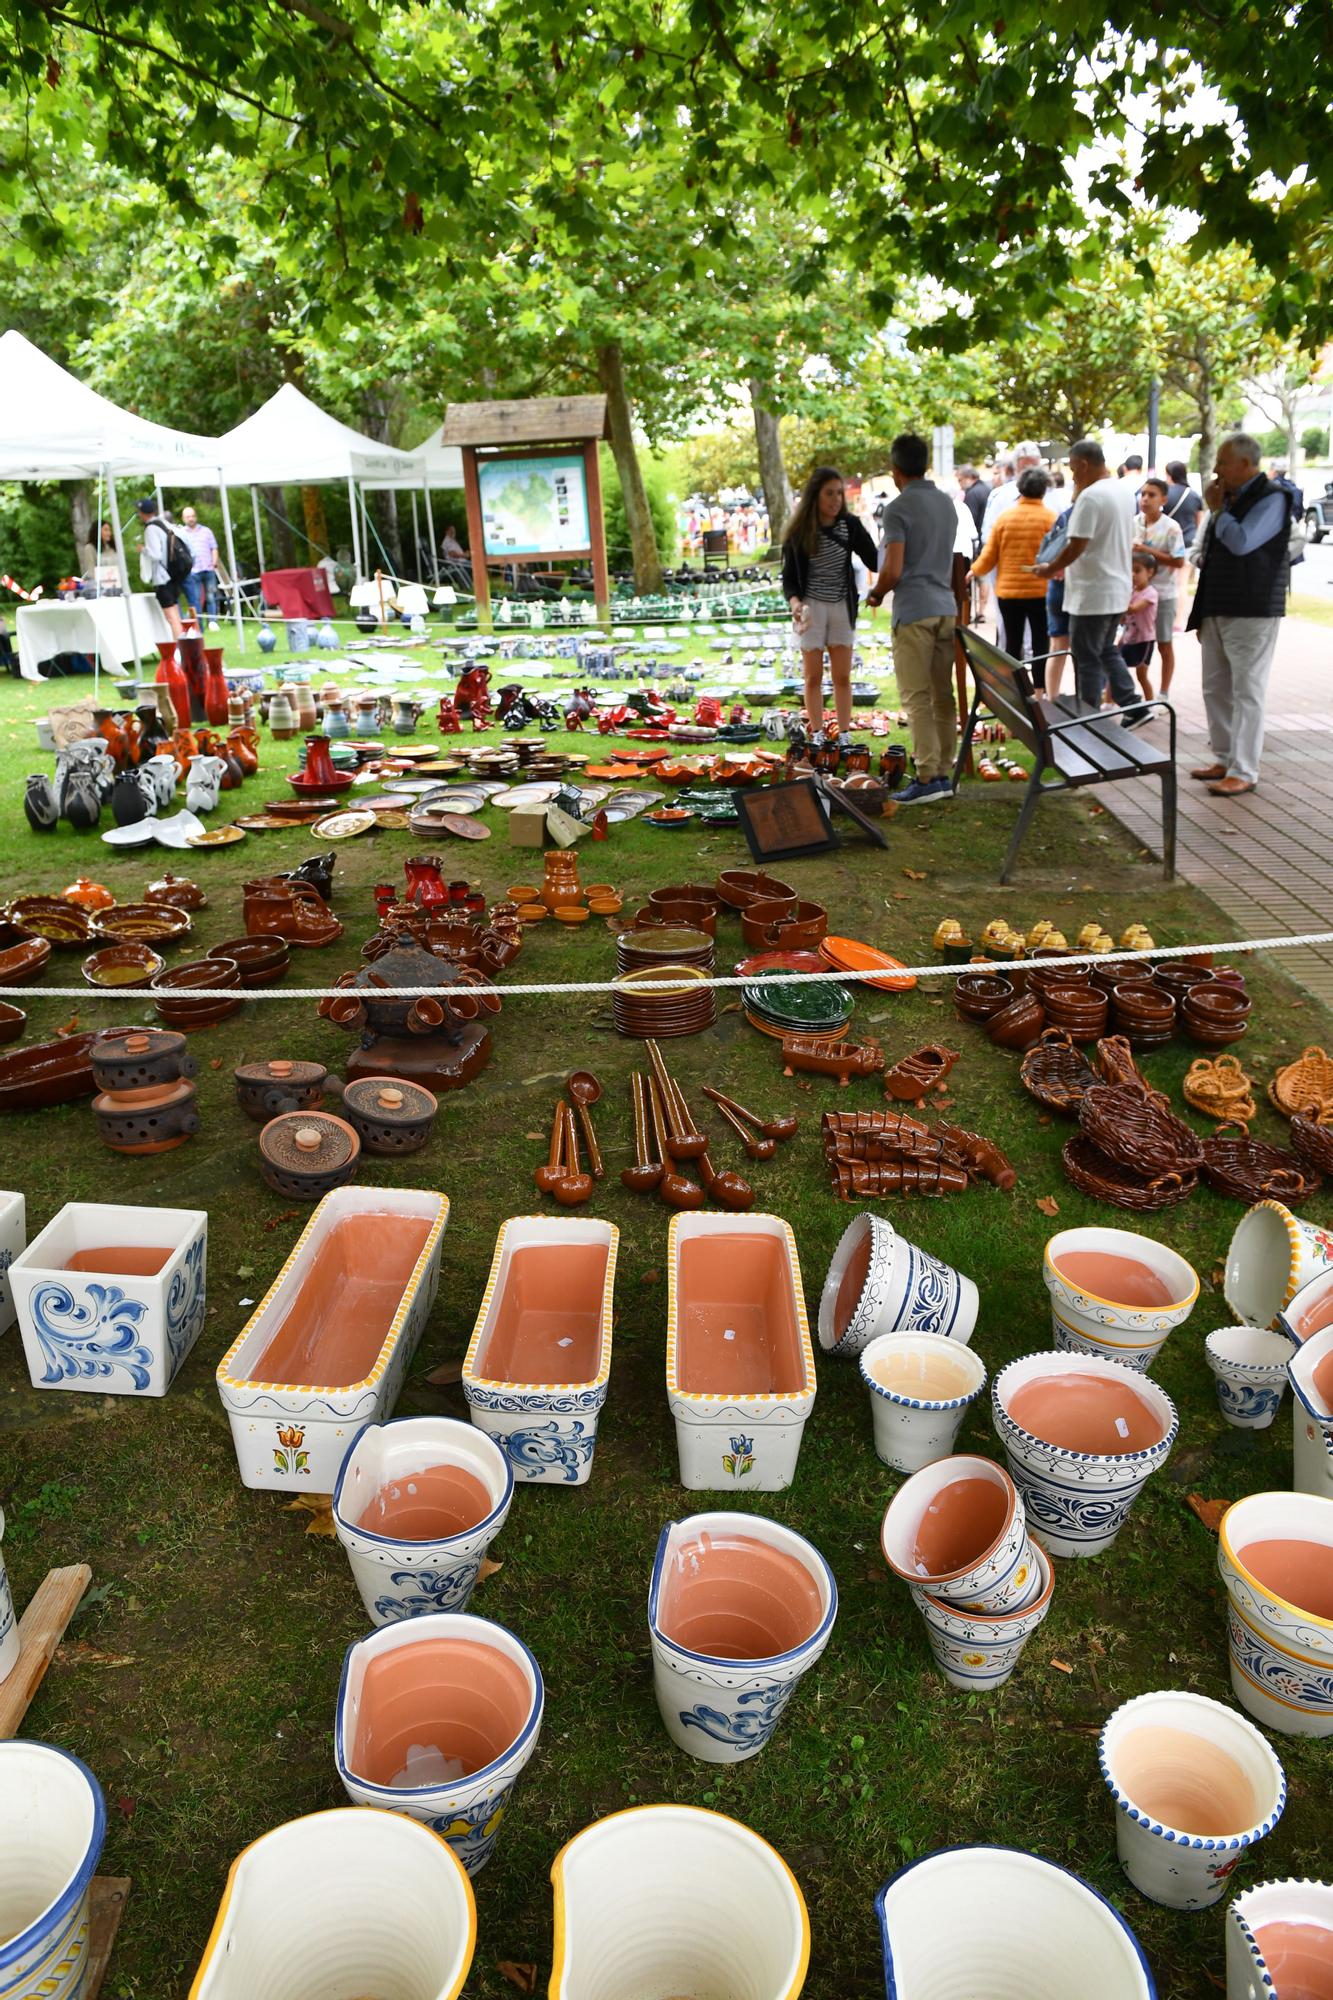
<point>199,1678</point>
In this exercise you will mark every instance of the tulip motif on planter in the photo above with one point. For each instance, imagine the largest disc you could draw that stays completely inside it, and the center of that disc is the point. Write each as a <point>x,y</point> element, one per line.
<point>288,1457</point>
<point>740,1459</point>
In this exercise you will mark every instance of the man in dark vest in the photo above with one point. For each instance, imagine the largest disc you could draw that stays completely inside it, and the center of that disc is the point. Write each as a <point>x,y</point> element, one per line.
<point>1242,595</point>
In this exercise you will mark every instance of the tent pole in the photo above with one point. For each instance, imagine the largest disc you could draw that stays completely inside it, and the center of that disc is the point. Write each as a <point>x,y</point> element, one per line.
<point>416,540</point>
<point>259,536</point>
<point>113,507</point>
<point>430,530</point>
<point>365,523</point>
<point>231,563</point>
<point>357,564</point>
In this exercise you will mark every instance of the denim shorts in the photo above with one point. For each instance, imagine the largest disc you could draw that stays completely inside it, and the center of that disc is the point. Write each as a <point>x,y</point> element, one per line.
<point>826,625</point>
<point>1057,618</point>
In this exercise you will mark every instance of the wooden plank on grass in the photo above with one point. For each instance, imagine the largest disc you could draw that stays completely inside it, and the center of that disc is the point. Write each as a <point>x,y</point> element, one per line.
<point>41,1628</point>
<point>107,1897</point>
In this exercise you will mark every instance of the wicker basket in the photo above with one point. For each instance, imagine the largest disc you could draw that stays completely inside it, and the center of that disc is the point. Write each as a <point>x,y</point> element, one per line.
<point>1091,1172</point>
<point>1250,1171</point>
<point>1219,1088</point>
<point>1137,1132</point>
<point>1312,1143</point>
<point>1115,1059</point>
<point>1305,1086</point>
<point>1057,1073</point>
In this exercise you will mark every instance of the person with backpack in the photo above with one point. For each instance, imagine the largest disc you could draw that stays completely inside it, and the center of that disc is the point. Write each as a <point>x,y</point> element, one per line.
<point>165,560</point>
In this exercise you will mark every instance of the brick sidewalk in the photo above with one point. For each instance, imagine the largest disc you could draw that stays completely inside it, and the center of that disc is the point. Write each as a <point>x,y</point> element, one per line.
<point>1266,858</point>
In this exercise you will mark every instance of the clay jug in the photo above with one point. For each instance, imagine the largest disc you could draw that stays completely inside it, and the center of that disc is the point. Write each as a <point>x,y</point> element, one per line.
<point>281,715</point>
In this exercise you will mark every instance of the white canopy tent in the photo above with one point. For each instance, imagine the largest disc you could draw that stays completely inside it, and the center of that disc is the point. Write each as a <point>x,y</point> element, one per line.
<point>290,441</point>
<point>56,427</point>
<point>435,467</point>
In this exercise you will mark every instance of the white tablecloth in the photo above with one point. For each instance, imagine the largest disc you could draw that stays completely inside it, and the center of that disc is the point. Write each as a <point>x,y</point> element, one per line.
<point>81,626</point>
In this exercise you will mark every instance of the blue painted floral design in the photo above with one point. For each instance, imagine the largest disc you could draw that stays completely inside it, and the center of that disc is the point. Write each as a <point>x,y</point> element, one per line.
<point>94,1334</point>
<point>472,1830</point>
<point>1245,1399</point>
<point>185,1303</point>
<point>427,1590</point>
<point>749,1725</point>
<point>548,1447</point>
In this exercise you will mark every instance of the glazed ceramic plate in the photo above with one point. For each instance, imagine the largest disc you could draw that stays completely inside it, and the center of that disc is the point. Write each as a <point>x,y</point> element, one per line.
<point>417,788</point>
<point>524,797</point>
<point>804,1003</point>
<point>394,822</point>
<point>848,955</point>
<point>344,825</point>
<point>261,822</point>
<point>780,961</point>
<point>669,822</point>
<point>419,753</point>
<point>464,828</point>
<point>218,836</point>
<point>832,1032</point>
<point>298,811</point>
<point>141,834</point>
<point>386,802</point>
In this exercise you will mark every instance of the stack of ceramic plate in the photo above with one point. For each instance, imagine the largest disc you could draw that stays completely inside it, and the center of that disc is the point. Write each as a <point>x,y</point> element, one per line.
<point>797,1007</point>
<point>844,954</point>
<point>675,944</point>
<point>713,808</point>
<point>686,1007</point>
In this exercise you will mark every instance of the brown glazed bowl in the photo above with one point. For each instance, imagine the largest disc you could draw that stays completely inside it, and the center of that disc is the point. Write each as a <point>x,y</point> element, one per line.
<point>171,992</point>
<point>1018,1025</point>
<point>1043,974</point>
<point>23,961</point>
<point>1177,977</point>
<point>782,927</point>
<point>47,1073</point>
<point>1080,1010</point>
<point>142,923</point>
<point>262,960</point>
<point>979,995</point>
<point>132,965</point>
<point>1214,1015</point>
<point>686,892</point>
<point>61,924</point>
<point>739,887</point>
<point>13,1021</point>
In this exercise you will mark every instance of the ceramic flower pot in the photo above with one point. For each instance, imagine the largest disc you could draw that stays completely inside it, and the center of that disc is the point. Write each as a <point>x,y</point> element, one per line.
<point>13,1236</point>
<point>9,1629</point>
<point>980,1649</point>
<point>990,1920</point>
<point>325,1351</point>
<point>417,1504</point>
<point>738,1609</point>
<point>739,1365</point>
<point>1081,1435</point>
<point>1249,1365</point>
<point>341,1902</point>
<point>110,1298</point>
<point>1116,1293</point>
<point>673,1900</point>
<point>1272,1255</point>
<point>1280,1941</point>
<point>1195,1785</point>
<point>1309,1310</point>
<point>538,1364</point>
<point>437,1718</point>
<point>921,1387</point>
<point>1310,1372</point>
<point>878,1283</point>
<point>1275,1554</point>
<point>958,1529</point>
<point>52,1822</point>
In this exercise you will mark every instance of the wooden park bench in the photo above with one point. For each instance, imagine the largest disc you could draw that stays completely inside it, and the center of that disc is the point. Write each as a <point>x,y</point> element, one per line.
<point>1080,747</point>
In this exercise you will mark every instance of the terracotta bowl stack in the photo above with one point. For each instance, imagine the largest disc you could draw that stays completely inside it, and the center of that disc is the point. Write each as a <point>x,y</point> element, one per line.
<point>171,993</point>
<point>1177,977</point>
<point>1215,1014</point>
<point>1080,1010</point>
<point>979,995</point>
<point>686,1008</point>
<point>1143,1012</point>
<point>664,944</point>
<point>1048,973</point>
<point>1018,1025</point>
<point>262,961</point>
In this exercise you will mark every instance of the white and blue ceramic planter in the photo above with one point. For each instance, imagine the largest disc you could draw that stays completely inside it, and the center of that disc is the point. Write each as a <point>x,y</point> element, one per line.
<point>912,1431</point>
<point>13,1236</point>
<point>1272,1256</point>
<point>723,1709</point>
<point>1309,1369</point>
<point>878,1283</point>
<point>971,1921</point>
<point>400,1577</point>
<point>1249,1365</point>
<point>1298,1916</point>
<point>1082,1322</point>
<point>994,1560</point>
<point>1281,1651</point>
<point>52,1823</point>
<point>9,1626</point>
<point>980,1649</point>
<point>1229,1773</point>
<point>111,1333</point>
<point>1077,1501</point>
<point>455,1688</point>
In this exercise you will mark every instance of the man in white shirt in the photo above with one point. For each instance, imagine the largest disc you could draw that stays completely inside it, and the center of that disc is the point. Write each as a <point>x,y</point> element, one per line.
<point>1096,563</point>
<point>1013,464</point>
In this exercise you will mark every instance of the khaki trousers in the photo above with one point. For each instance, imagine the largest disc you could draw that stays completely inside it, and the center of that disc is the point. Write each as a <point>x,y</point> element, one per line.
<point>923,665</point>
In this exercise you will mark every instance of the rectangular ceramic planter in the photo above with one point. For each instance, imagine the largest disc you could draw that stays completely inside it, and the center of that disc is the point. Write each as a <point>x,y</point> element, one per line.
<point>546,1311</point>
<point>740,1368</point>
<point>344,1315</point>
<point>13,1236</point>
<point>104,1327</point>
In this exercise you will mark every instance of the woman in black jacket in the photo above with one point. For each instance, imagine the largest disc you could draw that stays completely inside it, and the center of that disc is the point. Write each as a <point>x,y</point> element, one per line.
<point>818,584</point>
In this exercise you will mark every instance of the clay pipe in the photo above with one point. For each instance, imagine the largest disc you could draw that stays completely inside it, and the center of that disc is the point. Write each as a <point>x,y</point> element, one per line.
<point>646,1172</point>
<point>757,1148</point>
<point>727,1189</point>
<point>683,1142</point>
<point>585,1090</point>
<point>675,1190</point>
<point>772,1128</point>
<point>549,1177</point>
<point>574,1186</point>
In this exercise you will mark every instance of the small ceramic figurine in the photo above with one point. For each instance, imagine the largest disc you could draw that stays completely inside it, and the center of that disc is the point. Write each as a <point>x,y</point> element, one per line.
<point>821,1057</point>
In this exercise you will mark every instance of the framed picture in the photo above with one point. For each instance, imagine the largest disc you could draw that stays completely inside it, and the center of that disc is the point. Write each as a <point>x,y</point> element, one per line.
<point>534,506</point>
<point>782,822</point>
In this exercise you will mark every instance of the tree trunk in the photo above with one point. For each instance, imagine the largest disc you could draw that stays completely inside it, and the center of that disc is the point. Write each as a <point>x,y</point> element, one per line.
<point>316,525</point>
<point>772,465</point>
<point>638,518</point>
<point>1293,438</point>
<point>1203,396</point>
<point>81,522</point>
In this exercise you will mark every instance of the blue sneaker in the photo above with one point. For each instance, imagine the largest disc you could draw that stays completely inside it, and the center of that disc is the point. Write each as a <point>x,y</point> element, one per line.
<point>921,792</point>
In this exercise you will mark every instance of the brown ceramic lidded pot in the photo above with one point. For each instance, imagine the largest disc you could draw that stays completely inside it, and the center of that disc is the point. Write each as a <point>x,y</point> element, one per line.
<point>132,1062</point>
<point>267,1089</point>
<point>306,1154</point>
<point>389,1114</point>
<point>177,891</point>
<point>147,1121</point>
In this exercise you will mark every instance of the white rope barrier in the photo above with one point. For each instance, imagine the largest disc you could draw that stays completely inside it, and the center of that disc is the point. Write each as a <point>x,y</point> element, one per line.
<point>519,991</point>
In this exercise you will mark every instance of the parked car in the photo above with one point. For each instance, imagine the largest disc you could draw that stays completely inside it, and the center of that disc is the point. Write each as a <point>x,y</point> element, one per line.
<point>1319,515</point>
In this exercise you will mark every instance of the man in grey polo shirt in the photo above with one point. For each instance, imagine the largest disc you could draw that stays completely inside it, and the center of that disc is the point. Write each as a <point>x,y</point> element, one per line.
<point>920,533</point>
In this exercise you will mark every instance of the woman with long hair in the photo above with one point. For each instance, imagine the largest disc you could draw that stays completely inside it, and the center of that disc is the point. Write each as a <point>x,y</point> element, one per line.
<point>819,585</point>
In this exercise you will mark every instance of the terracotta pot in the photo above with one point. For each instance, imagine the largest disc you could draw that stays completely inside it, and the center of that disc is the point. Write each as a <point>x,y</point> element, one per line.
<point>306,1155</point>
<point>148,1121</point>
<point>1275,1554</point>
<point>1116,1293</point>
<point>978,1650</point>
<point>135,1061</point>
<point>958,1528</point>
<point>390,1115</point>
<point>1018,1025</point>
<point>1280,1940</point>
<point>266,1090</point>
<point>878,1282</point>
<point>979,995</point>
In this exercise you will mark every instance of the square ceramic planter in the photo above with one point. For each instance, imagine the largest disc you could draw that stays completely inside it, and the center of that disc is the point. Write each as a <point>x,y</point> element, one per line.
<point>13,1236</point>
<point>110,1298</point>
<point>740,1367</point>
<point>539,1360</point>
<point>325,1352</point>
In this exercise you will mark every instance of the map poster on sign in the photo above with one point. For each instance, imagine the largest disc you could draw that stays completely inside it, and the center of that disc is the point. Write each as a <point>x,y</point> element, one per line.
<point>534,506</point>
